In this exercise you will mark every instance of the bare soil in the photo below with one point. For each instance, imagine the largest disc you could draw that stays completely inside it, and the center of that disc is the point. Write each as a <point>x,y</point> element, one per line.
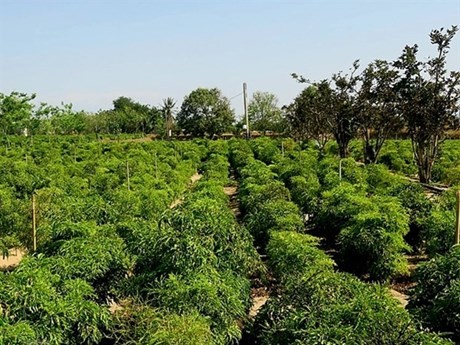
<point>193,179</point>
<point>12,260</point>
<point>400,297</point>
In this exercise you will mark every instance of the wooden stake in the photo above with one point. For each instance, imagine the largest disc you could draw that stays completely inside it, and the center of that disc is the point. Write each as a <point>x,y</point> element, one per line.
<point>127,174</point>
<point>245,102</point>
<point>156,165</point>
<point>34,226</point>
<point>457,226</point>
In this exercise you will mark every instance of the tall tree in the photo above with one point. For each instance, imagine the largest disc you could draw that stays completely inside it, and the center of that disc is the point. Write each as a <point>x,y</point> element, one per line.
<point>377,104</point>
<point>428,97</point>
<point>15,112</point>
<point>264,113</point>
<point>205,112</point>
<point>167,109</point>
<point>307,118</point>
<point>336,99</point>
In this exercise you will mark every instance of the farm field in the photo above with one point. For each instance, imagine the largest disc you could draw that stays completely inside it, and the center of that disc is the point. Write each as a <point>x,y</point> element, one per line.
<point>221,242</point>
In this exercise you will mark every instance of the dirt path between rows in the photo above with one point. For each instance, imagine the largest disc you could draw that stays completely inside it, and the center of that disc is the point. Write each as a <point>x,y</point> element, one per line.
<point>259,294</point>
<point>193,179</point>
<point>400,297</point>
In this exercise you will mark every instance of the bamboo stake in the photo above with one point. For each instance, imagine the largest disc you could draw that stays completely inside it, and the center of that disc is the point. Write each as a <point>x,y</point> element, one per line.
<point>457,227</point>
<point>127,174</point>
<point>34,225</point>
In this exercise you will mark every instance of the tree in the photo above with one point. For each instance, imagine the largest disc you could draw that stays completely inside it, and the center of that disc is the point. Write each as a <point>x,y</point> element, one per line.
<point>428,98</point>
<point>129,116</point>
<point>378,115</point>
<point>205,112</point>
<point>68,121</point>
<point>264,113</point>
<point>167,109</point>
<point>15,112</point>
<point>306,117</point>
<point>336,101</point>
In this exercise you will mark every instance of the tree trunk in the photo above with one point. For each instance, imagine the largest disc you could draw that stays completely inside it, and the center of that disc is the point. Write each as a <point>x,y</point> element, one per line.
<point>343,149</point>
<point>424,173</point>
<point>369,153</point>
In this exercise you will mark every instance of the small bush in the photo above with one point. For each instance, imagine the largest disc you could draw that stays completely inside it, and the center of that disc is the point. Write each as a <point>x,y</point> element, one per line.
<point>436,296</point>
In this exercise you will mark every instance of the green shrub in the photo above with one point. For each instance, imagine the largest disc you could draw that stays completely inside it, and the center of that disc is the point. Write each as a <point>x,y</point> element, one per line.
<point>19,333</point>
<point>291,254</point>
<point>339,205</point>
<point>373,243</point>
<point>252,194</point>
<point>335,308</point>
<point>266,150</point>
<point>59,311</point>
<point>273,215</point>
<point>436,296</point>
<point>439,231</point>
<point>417,205</point>
<point>305,192</point>
<point>141,324</point>
<point>223,298</point>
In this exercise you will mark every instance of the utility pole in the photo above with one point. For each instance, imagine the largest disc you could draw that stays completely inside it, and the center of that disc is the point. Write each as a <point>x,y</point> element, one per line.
<point>457,227</point>
<point>245,100</point>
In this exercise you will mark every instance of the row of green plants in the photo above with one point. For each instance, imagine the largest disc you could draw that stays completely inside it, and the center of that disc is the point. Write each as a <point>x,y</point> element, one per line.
<point>197,261</point>
<point>313,303</point>
<point>359,217</point>
<point>75,181</point>
<point>60,293</point>
<point>398,156</point>
<point>176,275</point>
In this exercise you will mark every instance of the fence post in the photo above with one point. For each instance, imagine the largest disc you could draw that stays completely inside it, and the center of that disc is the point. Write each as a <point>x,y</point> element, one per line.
<point>457,225</point>
<point>127,174</point>
<point>34,223</point>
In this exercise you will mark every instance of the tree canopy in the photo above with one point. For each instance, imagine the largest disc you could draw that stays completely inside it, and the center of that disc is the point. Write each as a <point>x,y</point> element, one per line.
<point>205,112</point>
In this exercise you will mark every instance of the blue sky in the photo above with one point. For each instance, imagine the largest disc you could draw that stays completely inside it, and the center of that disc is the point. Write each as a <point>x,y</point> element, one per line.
<point>90,52</point>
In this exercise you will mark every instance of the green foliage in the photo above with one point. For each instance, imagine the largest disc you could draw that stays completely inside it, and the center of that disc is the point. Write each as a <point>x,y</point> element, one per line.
<point>140,324</point>
<point>264,113</point>
<point>439,231</point>
<point>290,254</point>
<point>417,205</point>
<point>266,150</point>
<point>373,243</point>
<point>435,298</point>
<point>305,192</point>
<point>19,333</point>
<point>398,156</point>
<point>318,306</point>
<point>205,112</point>
<point>223,298</point>
<point>15,112</point>
<point>339,205</point>
<point>61,311</point>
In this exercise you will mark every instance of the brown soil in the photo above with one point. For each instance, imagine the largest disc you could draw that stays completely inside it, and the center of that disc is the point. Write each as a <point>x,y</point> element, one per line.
<point>259,297</point>
<point>12,260</point>
<point>193,179</point>
<point>402,298</point>
<point>259,294</point>
<point>232,192</point>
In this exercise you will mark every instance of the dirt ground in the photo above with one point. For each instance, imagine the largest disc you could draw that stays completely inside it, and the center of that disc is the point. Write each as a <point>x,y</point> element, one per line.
<point>402,298</point>
<point>193,179</point>
<point>13,260</point>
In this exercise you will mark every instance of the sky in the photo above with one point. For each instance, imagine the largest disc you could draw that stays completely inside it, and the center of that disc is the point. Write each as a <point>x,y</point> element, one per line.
<point>90,52</point>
